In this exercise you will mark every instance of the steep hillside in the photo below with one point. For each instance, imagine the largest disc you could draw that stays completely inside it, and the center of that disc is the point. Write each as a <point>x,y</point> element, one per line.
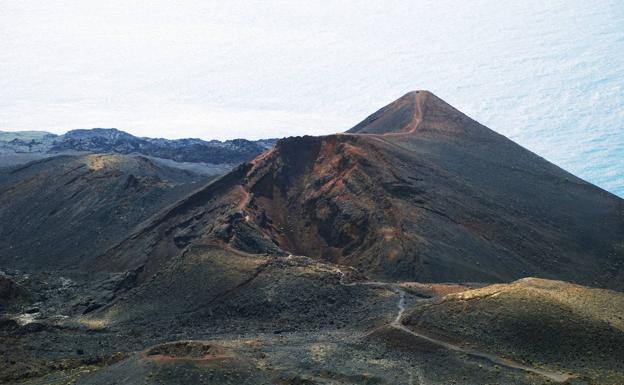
<point>430,195</point>
<point>63,211</point>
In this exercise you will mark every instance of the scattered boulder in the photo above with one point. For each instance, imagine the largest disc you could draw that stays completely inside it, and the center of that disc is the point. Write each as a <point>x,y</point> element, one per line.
<point>10,291</point>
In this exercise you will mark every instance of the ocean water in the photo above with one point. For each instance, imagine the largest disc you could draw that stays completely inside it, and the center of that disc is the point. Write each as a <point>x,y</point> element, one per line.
<point>549,75</point>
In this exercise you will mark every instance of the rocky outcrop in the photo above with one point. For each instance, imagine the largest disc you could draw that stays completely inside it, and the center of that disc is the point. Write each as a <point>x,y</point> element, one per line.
<point>10,291</point>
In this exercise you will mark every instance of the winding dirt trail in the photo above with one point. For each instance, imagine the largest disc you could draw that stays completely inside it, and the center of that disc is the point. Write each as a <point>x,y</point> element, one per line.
<point>410,128</point>
<point>246,198</point>
<point>396,323</point>
<point>416,117</point>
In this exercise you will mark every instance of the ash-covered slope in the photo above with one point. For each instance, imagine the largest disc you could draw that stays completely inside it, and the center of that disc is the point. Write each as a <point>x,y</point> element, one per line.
<point>61,212</point>
<point>418,191</point>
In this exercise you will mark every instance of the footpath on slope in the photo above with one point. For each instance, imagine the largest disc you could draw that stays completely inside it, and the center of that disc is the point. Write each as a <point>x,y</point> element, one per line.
<point>396,323</point>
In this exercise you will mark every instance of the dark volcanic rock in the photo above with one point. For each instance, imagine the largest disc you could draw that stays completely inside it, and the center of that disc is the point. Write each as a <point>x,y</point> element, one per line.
<point>10,291</point>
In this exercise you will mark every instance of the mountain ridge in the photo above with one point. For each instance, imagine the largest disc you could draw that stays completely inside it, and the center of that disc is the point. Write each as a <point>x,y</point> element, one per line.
<point>114,141</point>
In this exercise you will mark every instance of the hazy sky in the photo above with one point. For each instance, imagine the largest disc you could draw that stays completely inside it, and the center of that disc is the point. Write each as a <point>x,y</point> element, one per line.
<point>549,75</point>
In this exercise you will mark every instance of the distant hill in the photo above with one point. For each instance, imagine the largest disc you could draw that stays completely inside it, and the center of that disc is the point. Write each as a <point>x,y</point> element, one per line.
<point>113,141</point>
<point>7,136</point>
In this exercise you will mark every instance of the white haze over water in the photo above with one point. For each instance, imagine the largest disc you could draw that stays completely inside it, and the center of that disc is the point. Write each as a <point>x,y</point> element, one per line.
<point>549,75</point>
